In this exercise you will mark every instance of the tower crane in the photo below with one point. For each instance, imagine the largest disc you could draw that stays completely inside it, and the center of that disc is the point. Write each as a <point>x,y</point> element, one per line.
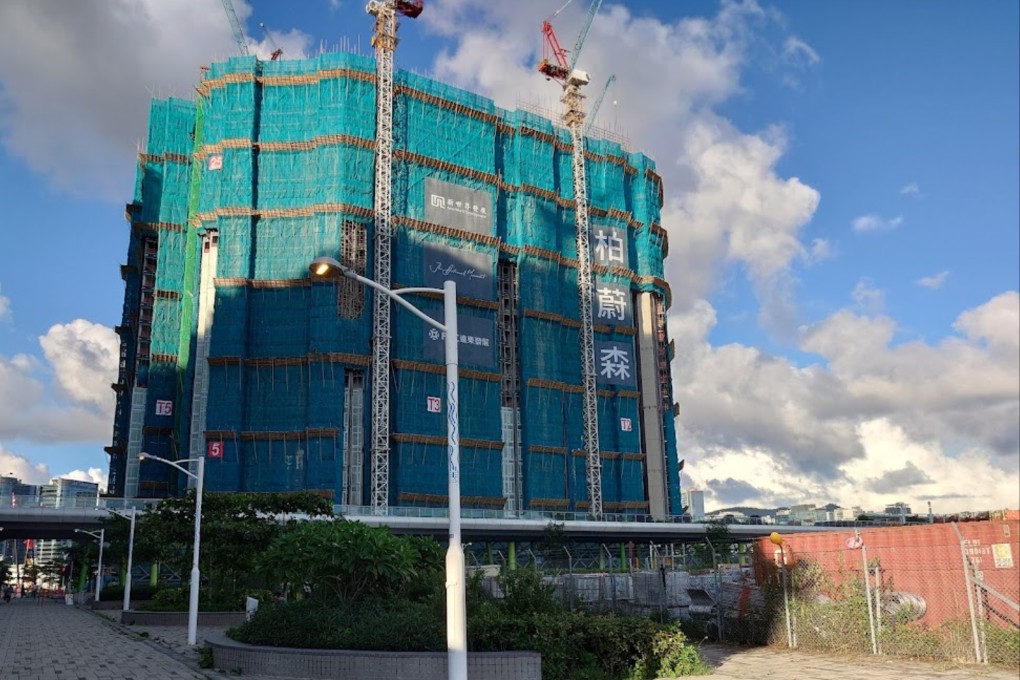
<point>277,52</point>
<point>384,40</point>
<point>572,80</point>
<point>598,103</point>
<point>235,26</point>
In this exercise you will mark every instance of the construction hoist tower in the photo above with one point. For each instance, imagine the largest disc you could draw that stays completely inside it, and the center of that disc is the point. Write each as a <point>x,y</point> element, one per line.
<point>384,39</point>
<point>572,81</point>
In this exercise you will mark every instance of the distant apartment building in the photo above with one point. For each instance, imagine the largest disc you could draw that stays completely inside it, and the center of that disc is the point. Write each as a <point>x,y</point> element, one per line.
<point>694,502</point>
<point>59,493</point>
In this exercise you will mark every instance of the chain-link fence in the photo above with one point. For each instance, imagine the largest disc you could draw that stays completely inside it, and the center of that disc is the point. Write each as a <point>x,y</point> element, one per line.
<point>936,592</point>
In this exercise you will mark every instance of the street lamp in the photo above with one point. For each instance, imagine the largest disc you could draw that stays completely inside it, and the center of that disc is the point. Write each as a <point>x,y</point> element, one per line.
<point>131,549</point>
<point>456,608</point>
<point>101,537</point>
<point>198,477</point>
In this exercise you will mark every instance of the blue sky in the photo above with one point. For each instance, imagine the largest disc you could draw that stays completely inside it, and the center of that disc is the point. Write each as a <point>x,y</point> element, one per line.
<point>841,196</point>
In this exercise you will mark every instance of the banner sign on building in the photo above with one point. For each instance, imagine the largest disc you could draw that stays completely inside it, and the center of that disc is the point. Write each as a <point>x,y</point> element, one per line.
<point>469,269</point>
<point>612,304</point>
<point>164,407</point>
<point>215,450</point>
<point>609,246</point>
<point>452,205</point>
<point>614,363</point>
<point>477,341</point>
<point>433,404</point>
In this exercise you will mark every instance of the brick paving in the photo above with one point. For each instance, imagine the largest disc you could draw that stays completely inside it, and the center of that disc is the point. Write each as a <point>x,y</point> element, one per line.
<point>54,641</point>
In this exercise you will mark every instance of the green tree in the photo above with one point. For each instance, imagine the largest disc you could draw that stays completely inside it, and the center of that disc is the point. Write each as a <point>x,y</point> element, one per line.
<point>234,527</point>
<point>344,561</point>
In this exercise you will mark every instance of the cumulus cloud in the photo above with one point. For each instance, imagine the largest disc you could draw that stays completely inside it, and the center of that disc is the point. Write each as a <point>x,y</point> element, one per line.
<point>875,222</point>
<point>78,407</point>
<point>846,429</point>
<point>84,357</point>
<point>933,282</point>
<point>101,60</point>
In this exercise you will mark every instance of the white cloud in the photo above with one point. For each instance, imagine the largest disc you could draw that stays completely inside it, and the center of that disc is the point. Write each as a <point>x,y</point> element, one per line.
<point>84,356</point>
<point>933,282</point>
<point>820,250</point>
<point>874,222</point>
<point>68,399</point>
<point>911,189</point>
<point>76,79</point>
<point>13,465</point>
<point>5,306</point>
<point>797,51</point>
<point>850,428</point>
<point>867,297</point>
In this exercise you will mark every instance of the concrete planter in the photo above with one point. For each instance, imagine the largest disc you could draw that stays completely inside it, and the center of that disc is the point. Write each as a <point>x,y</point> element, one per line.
<point>343,664</point>
<point>212,619</point>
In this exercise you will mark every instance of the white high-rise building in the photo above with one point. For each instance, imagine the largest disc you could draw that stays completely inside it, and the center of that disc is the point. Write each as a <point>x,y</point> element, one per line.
<point>694,501</point>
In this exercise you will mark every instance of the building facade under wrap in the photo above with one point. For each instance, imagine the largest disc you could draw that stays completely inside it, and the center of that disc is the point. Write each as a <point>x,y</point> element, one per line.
<point>229,350</point>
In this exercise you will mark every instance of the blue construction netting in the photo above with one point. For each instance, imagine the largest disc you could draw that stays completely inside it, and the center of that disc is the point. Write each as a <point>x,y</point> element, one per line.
<point>278,159</point>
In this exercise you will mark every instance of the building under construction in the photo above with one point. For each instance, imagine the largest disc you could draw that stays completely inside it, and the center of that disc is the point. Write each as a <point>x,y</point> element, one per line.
<point>232,351</point>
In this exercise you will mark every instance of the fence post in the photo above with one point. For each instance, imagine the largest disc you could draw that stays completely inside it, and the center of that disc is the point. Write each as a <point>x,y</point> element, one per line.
<point>867,592</point>
<point>970,594</point>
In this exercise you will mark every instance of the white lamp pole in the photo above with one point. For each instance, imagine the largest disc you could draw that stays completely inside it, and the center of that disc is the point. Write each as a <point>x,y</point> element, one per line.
<point>456,607</point>
<point>199,478</point>
<point>131,549</point>
<point>101,537</point>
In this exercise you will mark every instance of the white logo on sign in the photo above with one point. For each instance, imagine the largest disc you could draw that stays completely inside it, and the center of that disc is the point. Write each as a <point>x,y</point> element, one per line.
<point>216,162</point>
<point>444,203</point>
<point>625,424</point>
<point>434,405</point>
<point>164,407</point>
<point>611,303</point>
<point>615,363</point>
<point>609,246</point>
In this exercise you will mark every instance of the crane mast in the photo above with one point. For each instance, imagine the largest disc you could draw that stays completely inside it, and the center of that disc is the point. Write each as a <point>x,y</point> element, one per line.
<point>384,40</point>
<point>235,26</point>
<point>572,81</point>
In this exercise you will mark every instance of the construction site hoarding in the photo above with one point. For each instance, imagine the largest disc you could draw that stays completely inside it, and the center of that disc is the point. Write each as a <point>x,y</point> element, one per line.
<point>459,207</point>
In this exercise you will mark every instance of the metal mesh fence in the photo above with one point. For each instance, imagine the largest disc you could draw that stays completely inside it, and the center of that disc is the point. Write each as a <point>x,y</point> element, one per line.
<point>935,592</point>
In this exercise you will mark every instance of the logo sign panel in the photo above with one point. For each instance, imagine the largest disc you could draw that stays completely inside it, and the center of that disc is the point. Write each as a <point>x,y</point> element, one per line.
<point>215,450</point>
<point>612,305</point>
<point>164,407</point>
<point>452,205</point>
<point>469,269</point>
<point>626,425</point>
<point>434,405</point>
<point>216,162</point>
<point>609,246</point>
<point>614,363</point>
<point>477,345</point>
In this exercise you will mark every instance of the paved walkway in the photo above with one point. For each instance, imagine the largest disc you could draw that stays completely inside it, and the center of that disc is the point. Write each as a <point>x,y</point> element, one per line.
<point>53,641</point>
<point>768,663</point>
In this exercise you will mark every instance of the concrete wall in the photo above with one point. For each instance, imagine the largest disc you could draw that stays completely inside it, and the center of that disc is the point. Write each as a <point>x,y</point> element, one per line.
<point>236,657</point>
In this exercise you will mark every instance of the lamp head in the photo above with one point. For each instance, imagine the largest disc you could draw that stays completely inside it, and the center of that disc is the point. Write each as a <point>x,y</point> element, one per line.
<point>326,267</point>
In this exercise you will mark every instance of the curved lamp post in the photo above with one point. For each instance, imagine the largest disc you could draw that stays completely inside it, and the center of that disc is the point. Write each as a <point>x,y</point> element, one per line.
<point>130,516</point>
<point>198,477</point>
<point>101,537</point>
<point>456,608</point>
